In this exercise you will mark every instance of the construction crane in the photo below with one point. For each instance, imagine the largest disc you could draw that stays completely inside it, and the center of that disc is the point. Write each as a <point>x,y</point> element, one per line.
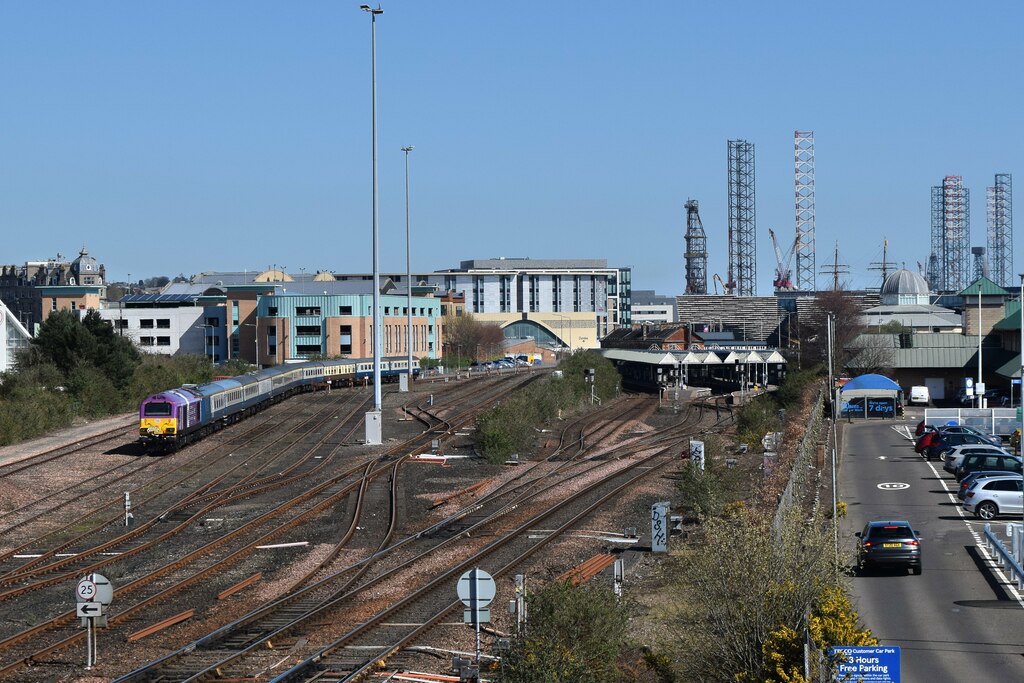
<point>716,280</point>
<point>783,279</point>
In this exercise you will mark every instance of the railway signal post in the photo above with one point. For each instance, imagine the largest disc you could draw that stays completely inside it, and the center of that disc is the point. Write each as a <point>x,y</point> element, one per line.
<point>476,590</point>
<point>94,593</point>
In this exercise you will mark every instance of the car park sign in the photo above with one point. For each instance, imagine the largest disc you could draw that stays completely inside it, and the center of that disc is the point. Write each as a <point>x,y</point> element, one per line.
<point>866,664</point>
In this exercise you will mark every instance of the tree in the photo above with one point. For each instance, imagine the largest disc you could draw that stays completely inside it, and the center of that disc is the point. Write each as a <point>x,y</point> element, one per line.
<point>467,337</point>
<point>871,353</point>
<point>574,633</point>
<point>847,315</point>
<point>745,581</point>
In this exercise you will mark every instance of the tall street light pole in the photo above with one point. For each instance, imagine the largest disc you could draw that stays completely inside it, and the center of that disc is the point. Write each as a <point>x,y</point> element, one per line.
<point>408,267</point>
<point>373,431</point>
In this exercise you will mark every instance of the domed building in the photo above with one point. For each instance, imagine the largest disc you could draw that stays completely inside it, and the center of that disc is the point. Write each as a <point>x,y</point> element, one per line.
<point>85,270</point>
<point>904,287</point>
<point>906,300</point>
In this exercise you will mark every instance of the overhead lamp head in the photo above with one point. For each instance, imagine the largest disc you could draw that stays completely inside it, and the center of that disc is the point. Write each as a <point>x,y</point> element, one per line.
<point>367,8</point>
<point>408,149</point>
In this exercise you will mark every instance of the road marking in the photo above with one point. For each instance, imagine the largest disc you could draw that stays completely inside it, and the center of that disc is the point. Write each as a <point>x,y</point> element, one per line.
<point>893,486</point>
<point>1005,581</point>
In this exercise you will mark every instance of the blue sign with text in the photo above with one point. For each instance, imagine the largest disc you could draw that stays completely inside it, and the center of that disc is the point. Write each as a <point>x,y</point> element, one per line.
<point>867,664</point>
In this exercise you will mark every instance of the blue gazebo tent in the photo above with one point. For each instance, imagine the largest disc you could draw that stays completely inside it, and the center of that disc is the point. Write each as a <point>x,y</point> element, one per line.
<point>870,396</point>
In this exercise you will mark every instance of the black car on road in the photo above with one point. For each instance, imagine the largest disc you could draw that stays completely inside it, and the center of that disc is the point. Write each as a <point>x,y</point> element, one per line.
<point>888,543</point>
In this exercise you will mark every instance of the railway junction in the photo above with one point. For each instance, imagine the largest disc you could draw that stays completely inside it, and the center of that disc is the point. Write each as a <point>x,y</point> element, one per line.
<point>283,548</point>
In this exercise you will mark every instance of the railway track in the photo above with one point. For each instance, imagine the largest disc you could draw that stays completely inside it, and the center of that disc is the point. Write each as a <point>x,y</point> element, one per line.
<point>358,652</point>
<point>29,637</point>
<point>218,655</point>
<point>181,509</point>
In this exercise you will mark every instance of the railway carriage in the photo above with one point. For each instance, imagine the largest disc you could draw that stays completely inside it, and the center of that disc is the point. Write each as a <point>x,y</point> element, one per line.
<point>175,417</point>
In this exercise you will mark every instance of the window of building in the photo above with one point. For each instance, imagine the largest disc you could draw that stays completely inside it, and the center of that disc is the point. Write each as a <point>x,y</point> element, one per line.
<point>146,323</point>
<point>307,330</point>
<point>387,310</point>
<point>163,341</point>
<point>307,310</point>
<point>234,312</point>
<point>346,339</point>
<point>307,349</point>
<point>345,310</point>
<point>146,341</point>
<point>272,349</point>
<point>235,346</point>
<point>163,323</point>
<point>272,311</point>
<point>271,330</point>
<point>214,322</point>
<point>53,304</point>
<point>120,324</point>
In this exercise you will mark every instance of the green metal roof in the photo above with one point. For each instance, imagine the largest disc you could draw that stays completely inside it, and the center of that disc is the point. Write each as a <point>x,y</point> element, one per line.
<point>934,350</point>
<point>1010,368</point>
<point>1011,321</point>
<point>987,287</point>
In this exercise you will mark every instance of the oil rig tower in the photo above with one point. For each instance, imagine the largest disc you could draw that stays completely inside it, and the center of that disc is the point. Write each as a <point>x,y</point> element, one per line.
<point>1000,230</point>
<point>936,276</point>
<point>949,266</point>
<point>742,221</point>
<point>804,167</point>
<point>696,251</point>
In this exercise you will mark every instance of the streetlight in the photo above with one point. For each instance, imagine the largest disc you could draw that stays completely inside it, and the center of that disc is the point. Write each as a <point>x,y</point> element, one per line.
<point>207,346</point>
<point>408,266</point>
<point>373,433</point>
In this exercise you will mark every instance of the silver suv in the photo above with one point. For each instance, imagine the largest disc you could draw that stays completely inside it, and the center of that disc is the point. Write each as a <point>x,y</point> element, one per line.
<point>952,457</point>
<point>996,495</point>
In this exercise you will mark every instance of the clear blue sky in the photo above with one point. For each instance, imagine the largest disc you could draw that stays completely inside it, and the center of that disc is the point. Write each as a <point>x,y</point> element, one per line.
<point>184,136</point>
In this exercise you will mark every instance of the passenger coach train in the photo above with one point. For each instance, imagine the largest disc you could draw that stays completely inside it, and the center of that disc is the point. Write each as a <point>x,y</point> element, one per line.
<point>176,417</point>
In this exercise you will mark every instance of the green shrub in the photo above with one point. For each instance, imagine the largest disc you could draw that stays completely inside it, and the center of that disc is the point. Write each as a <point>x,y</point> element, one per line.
<point>576,633</point>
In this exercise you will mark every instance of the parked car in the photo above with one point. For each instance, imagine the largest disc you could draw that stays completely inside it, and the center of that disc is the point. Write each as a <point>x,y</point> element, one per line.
<point>926,440</point>
<point>988,461</point>
<point>991,496</point>
<point>889,543</point>
<point>946,441</point>
<point>996,398</point>
<point>965,429</point>
<point>952,457</point>
<point>967,481</point>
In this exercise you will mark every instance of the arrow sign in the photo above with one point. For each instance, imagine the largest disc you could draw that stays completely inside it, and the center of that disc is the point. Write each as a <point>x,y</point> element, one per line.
<point>89,609</point>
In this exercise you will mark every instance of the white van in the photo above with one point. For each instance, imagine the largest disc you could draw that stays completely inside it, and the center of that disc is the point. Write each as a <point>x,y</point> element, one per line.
<point>919,395</point>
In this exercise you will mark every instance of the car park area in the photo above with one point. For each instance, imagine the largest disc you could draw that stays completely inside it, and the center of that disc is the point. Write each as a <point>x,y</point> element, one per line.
<point>960,618</point>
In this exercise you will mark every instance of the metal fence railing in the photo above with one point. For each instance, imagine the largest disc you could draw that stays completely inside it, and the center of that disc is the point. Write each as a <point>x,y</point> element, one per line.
<point>1011,558</point>
<point>995,421</point>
